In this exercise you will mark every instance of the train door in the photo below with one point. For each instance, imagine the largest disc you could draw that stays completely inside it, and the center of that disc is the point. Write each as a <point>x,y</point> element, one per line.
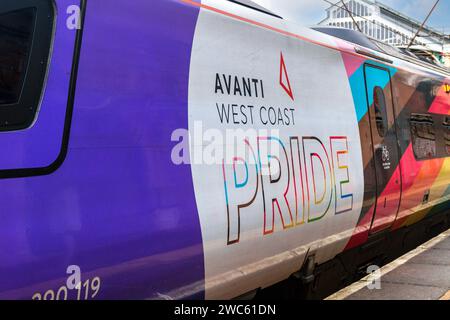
<point>385,146</point>
<point>37,77</point>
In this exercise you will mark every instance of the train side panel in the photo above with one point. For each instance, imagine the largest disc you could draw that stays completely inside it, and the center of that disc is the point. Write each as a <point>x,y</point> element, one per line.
<point>117,207</point>
<point>424,179</point>
<point>275,149</point>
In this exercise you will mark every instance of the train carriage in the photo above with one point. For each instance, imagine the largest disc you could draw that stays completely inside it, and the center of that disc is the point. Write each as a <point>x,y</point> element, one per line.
<point>187,149</point>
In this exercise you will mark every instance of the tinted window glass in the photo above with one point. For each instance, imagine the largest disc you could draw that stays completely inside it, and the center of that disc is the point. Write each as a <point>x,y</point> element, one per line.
<point>348,35</point>
<point>423,136</point>
<point>252,5</point>
<point>447,134</point>
<point>26,32</point>
<point>16,33</point>
<point>379,103</point>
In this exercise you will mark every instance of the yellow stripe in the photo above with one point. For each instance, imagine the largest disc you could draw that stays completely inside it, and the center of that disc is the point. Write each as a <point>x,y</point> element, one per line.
<point>437,192</point>
<point>445,296</point>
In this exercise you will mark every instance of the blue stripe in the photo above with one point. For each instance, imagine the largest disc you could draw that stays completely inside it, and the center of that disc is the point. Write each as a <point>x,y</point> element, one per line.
<point>358,86</point>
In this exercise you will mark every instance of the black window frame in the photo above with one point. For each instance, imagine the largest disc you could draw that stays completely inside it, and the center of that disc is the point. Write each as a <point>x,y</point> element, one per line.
<point>446,129</point>
<point>22,114</point>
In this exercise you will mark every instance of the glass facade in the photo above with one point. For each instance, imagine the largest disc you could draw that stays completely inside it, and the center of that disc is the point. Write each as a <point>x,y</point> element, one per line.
<point>367,17</point>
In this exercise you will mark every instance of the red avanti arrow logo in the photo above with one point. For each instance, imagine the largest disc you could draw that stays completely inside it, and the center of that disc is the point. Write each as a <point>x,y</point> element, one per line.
<point>284,78</point>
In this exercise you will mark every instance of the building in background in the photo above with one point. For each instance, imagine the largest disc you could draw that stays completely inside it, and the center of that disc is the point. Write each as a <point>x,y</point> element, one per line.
<point>385,24</point>
<point>447,55</point>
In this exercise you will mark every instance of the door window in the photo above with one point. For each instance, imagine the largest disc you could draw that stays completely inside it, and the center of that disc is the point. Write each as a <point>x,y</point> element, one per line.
<point>26,29</point>
<point>379,102</point>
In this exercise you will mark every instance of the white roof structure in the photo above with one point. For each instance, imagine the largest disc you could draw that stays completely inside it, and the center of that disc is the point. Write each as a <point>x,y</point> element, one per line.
<point>383,23</point>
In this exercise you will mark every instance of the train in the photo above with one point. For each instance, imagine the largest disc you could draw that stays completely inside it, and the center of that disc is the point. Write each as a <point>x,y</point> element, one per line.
<point>209,149</point>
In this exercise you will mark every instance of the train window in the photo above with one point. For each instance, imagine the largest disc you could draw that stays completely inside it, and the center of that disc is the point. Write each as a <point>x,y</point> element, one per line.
<point>26,29</point>
<point>423,136</point>
<point>15,40</point>
<point>379,103</point>
<point>446,125</point>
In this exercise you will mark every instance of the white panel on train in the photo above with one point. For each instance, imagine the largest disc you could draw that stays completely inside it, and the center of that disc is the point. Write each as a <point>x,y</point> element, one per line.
<point>275,150</point>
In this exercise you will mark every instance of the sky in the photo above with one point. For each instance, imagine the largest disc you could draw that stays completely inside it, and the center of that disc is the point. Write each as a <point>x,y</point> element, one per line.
<point>310,12</point>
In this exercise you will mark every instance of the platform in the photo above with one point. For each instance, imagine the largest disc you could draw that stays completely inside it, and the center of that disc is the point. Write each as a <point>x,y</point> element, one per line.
<point>422,274</point>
